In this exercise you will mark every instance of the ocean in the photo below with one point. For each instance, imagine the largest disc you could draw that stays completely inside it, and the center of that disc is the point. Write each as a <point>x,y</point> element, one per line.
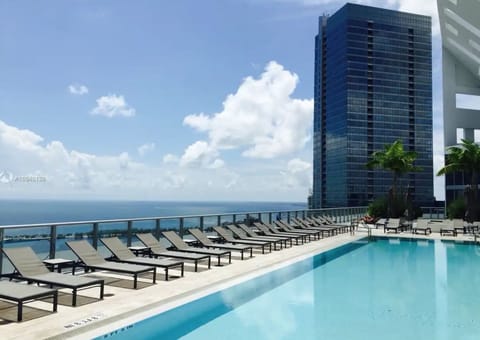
<point>49,211</point>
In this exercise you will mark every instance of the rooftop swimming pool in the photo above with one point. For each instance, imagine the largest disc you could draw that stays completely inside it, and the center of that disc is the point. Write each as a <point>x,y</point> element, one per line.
<point>383,289</point>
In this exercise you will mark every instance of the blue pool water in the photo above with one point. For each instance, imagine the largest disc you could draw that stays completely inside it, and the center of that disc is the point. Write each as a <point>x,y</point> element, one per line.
<point>385,289</point>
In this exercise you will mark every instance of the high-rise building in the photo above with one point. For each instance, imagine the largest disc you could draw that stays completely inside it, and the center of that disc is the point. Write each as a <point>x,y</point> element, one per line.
<point>460,25</point>
<point>373,85</point>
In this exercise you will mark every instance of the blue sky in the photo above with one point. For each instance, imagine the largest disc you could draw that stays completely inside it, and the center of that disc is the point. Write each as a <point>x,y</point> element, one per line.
<point>168,100</point>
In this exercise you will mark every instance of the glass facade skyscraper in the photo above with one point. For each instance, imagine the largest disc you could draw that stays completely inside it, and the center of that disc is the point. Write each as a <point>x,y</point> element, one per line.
<point>373,85</point>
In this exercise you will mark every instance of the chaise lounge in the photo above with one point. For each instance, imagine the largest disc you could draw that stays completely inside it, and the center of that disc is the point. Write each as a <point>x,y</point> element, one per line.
<point>123,254</point>
<point>180,245</point>
<point>243,236</point>
<point>92,260</point>
<point>157,249</point>
<point>22,293</point>
<point>207,243</point>
<point>30,268</point>
<point>422,227</point>
<point>224,234</point>
<point>267,232</point>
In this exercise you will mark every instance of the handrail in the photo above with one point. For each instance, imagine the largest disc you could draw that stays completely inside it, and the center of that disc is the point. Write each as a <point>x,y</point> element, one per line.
<point>342,214</point>
<point>152,218</point>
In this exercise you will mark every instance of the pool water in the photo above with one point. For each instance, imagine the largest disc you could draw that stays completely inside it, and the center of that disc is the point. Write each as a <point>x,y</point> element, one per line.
<point>385,289</point>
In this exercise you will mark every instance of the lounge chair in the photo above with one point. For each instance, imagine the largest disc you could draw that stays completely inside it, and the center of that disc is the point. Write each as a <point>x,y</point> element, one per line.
<point>22,293</point>
<point>123,254</point>
<point>268,232</point>
<point>180,245</point>
<point>157,249</point>
<point>337,228</point>
<point>309,225</point>
<point>459,225</point>
<point>381,223</point>
<point>422,227</point>
<point>92,260</point>
<point>229,238</point>
<point>30,268</point>
<point>283,240</point>
<point>243,236</point>
<point>207,243</point>
<point>284,232</point>
<point>288,228</point>
<point>447,227</point>
<point>393,225</point>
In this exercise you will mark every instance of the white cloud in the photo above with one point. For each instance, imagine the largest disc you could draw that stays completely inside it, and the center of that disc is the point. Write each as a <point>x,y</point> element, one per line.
<point>112,106</point>
<point>298,174</point>
<point>145,148</point>
<point>77,89</point>
<point>201,154</point>
<point>261,119</point>
<point>74,174</point>
<point>170,158</point>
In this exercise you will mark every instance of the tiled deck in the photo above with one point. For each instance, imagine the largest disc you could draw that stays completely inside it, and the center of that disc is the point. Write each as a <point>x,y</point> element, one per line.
<point>121,303</point>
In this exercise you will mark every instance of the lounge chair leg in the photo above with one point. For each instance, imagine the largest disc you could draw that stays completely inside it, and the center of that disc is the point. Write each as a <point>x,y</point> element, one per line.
<point>218,260</point>
<point>183,269</point>
<point>251,252</point>
<point>20,311</point>
<point>134,281</point>
<point>196,265</point>
<point>166,274</point>
<point>155,275</point>
<point>55,301</point>
<point>74,297</point>
<point>241,255</point>
<point>102,289</point>
<point>229,257</point>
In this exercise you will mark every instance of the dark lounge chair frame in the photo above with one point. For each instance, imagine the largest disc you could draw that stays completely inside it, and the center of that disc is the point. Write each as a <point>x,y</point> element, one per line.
<point>132,269</point>
<point>156,249</point>
<point>223,233</point>
<point>180,245</point>
<point>44,276</point>
<point>204,240</point>
<point>123,254</point>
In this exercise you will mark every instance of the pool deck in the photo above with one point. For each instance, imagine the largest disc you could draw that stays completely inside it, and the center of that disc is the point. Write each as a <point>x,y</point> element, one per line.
<point>122,306</point>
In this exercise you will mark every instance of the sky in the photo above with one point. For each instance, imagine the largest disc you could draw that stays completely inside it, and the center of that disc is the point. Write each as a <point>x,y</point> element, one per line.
<point>166,100</point>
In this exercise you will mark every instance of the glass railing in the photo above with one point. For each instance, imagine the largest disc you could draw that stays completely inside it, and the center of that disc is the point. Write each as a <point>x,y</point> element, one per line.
<point>48,239</point>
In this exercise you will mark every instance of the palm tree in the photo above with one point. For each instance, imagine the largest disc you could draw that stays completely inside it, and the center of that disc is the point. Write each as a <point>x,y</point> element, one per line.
<point>466,158</point>
<point>394,158</point>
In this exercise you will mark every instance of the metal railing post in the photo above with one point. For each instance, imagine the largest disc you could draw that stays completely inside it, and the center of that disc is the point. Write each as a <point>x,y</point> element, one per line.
<point>201,223</point>
<point>129,233</point>
<point>270,218</point>
<point>234,218</point>
<point>157,228</point>
<point>95,235</point>
<point>53,241</point>
<point>2,234</point>
<point>180,227</point>
<point>219,220</point>
<point>288,217</point>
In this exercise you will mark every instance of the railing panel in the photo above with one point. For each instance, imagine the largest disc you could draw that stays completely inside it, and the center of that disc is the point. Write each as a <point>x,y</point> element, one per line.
<point>139,227</point>
<point>209,222</point>
<point>38,236</point>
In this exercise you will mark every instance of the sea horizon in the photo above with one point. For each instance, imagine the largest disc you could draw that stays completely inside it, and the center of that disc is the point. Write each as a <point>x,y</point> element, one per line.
<point>32,211</point>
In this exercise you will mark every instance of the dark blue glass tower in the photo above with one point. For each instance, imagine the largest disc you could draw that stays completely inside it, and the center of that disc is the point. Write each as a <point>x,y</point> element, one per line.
<point>373,85</point>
